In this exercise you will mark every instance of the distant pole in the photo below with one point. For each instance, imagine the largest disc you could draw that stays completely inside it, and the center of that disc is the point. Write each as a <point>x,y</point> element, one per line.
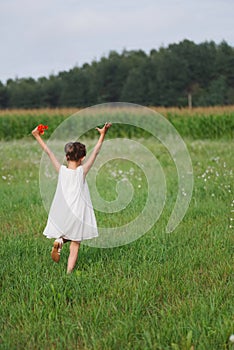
<point>190,102</point>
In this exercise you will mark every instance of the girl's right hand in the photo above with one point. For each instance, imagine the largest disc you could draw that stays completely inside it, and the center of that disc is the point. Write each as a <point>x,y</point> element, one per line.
<point>103,130</point>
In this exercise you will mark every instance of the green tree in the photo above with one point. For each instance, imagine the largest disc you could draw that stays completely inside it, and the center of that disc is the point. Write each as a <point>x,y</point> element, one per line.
<point>199,73</point>
<point>74,88</point>
<point>3,96</point>
<point>23,93</point>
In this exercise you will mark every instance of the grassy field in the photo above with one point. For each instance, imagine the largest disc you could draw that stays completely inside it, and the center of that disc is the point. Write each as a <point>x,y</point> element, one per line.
<point>163,291</point>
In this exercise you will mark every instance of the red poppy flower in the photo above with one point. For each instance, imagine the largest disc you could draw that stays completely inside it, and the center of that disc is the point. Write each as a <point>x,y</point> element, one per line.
<point>41,128</point>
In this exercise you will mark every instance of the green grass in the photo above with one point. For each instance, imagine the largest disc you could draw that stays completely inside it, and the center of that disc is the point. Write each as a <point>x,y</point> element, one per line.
<point>163,291</point>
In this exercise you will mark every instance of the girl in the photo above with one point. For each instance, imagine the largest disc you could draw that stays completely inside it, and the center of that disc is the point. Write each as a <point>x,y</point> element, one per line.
<point>71,217</point>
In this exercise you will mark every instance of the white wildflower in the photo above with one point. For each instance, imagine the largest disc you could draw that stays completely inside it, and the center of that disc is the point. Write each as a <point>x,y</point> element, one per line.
<point>231,338</point>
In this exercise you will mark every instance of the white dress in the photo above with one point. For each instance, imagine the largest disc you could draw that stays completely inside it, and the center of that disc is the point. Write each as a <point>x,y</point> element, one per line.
<point>71,214</point>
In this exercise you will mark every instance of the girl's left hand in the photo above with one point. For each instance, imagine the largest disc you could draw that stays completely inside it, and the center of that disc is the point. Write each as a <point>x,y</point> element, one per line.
<point>104,129</point>
<point>36,132</point>
<point>39,130</point>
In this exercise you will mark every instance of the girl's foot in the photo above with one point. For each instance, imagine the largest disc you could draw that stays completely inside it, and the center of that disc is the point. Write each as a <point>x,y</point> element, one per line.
<point>57,246</point>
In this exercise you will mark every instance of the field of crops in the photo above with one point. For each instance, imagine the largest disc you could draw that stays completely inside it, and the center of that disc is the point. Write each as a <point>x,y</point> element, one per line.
<point>198,123</point>
<point>163,291</point>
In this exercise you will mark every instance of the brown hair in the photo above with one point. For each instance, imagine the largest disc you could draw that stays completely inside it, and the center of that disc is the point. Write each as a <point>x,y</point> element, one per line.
<point>74,151</point>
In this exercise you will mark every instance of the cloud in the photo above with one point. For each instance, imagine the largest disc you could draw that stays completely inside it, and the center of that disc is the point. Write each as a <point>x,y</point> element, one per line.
<point>38,37</point>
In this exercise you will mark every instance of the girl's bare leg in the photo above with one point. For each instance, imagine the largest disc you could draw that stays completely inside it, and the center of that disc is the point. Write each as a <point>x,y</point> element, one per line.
<point>74,248</point>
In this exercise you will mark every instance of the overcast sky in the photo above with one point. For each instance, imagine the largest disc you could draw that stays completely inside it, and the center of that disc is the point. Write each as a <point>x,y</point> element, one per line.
<point>43,37</point>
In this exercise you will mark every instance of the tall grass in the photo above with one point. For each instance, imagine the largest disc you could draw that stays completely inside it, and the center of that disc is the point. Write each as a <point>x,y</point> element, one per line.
<point>163,291</point>
<point>208,123</point>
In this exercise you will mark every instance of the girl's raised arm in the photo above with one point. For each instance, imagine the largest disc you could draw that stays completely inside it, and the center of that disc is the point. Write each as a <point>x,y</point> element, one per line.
<point>88,164</point>
<point>45,148</point>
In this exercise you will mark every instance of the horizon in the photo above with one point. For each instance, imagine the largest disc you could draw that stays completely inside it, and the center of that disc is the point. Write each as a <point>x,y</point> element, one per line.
<point>107,55</point>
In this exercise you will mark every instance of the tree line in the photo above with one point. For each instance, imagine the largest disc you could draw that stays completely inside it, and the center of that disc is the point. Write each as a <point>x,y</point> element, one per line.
<point>177,75</point>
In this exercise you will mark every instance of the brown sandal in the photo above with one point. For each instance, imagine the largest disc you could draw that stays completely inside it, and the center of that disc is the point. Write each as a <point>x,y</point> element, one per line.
<point>55,254</point>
